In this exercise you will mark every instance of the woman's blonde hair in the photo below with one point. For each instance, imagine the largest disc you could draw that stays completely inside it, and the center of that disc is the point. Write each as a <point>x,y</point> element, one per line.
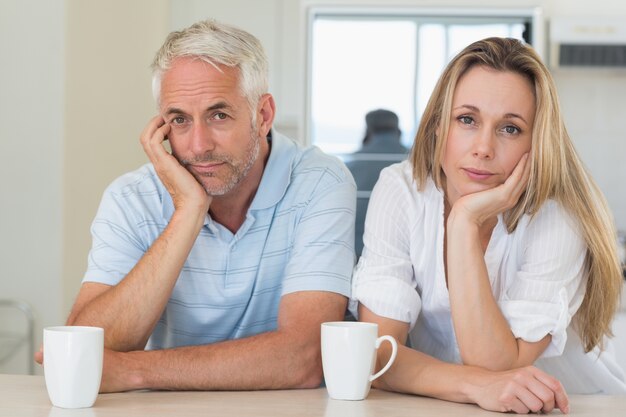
<point>557,172</point>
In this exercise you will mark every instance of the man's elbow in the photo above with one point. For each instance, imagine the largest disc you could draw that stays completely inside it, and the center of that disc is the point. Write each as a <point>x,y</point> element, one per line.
<point>310,374</point>
<point>312,379</point>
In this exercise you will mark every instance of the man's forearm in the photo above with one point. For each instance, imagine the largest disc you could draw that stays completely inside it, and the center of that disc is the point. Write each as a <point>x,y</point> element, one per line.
<point>129,311</point>
<point>273,360</point>
<point>289,357</point>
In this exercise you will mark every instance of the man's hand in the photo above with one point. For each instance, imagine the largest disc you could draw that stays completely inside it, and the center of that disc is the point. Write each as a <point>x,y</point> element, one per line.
<point>39,355</point>
<point>481,206</point>
<point>520,390</point>
<point>116,376</point>
<point>185,190</point>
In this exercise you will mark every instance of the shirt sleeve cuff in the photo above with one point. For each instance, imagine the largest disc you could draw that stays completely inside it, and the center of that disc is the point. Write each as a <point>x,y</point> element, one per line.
<point>387,297</point>
<point>531,321</point>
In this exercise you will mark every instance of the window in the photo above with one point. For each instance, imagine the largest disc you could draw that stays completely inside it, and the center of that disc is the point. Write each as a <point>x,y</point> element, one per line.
<point>364,59</point>
<point>357,66</point>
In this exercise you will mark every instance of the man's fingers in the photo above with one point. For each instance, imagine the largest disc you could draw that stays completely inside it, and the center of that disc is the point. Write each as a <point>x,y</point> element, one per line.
<point>153,136</point>
<point>39,356</point>
<point>156,142</point>
<point>150,128</point>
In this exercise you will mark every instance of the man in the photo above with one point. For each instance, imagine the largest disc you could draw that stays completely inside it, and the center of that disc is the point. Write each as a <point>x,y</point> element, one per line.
<point>381,148</point>
<point>382,133</point>
<point>222,258</point>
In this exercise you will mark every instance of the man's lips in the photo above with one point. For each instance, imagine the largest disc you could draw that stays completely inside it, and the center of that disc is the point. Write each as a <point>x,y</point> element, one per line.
<point>477,174</point>
<point>206,166</point>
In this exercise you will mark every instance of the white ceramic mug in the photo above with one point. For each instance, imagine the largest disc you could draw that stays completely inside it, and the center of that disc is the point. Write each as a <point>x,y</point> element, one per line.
<point>72,364</point>
<point>349,356</point>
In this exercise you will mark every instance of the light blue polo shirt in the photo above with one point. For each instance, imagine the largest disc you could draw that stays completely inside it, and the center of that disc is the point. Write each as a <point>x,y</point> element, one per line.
<point>298,236</point>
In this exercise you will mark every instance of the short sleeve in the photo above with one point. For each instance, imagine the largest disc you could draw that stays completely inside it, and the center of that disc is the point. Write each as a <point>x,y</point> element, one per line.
<point>383,279</point>
<point>116,243</point>
<point>549,285</point>
<point>322,256</point>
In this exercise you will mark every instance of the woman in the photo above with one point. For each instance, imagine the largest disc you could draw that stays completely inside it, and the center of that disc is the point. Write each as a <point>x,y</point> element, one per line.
<point>492,246</point>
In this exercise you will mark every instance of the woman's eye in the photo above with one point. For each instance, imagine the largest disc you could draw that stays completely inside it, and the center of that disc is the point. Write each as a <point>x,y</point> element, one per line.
<point>511,130</point>
<point>466,120</point>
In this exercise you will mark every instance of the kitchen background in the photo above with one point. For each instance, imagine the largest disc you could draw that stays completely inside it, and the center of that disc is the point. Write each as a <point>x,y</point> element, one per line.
<point>75,95</point>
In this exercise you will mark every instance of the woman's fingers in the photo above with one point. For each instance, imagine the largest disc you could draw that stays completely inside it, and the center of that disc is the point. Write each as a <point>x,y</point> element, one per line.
<point>560,396</point>
<point>515,185</point>
<point>538,391</point>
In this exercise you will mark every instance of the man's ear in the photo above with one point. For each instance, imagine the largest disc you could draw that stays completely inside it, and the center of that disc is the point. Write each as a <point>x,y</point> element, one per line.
<point>265,114</point>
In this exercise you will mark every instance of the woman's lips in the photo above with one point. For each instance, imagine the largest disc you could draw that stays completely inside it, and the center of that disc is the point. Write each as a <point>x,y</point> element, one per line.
<point>477,174</point>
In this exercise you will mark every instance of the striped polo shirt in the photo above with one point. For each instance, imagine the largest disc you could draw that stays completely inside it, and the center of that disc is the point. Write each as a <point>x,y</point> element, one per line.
<point>298,235</point>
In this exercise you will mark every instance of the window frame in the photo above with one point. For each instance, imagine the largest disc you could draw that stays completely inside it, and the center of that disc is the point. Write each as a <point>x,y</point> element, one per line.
<point>444,15</point>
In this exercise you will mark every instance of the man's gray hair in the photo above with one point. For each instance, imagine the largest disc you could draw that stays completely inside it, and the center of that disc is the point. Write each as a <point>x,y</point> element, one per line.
<point>216,44</point>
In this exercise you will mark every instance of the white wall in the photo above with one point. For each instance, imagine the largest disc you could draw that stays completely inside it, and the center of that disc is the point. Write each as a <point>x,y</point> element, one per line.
<point>31,159</point>
<point>110,46</point>
<point>74,97</point>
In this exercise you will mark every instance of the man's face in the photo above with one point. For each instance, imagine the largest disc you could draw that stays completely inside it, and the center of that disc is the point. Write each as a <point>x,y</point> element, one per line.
<point>211,126</point>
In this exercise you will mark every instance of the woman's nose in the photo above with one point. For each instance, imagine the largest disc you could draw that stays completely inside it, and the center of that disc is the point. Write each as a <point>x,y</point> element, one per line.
<point>484,145</point>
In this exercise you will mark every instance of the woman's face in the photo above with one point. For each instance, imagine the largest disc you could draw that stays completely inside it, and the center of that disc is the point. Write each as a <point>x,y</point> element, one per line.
<point>490,130</point>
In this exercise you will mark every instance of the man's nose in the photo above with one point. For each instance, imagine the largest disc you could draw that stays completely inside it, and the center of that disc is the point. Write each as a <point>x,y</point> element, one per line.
<point>201,139</point>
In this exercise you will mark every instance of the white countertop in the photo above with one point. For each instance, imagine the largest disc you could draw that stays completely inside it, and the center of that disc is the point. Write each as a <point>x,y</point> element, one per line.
<point>22,395</point>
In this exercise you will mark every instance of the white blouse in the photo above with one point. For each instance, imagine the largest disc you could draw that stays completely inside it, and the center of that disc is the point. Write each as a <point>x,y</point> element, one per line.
<point>536,274</point>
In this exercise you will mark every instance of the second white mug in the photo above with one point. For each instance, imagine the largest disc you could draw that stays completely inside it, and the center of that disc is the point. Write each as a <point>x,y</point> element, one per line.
<point>349,356</point>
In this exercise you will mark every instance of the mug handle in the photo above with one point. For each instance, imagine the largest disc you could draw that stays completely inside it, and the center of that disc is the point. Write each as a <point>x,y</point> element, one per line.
<point>394,352</point>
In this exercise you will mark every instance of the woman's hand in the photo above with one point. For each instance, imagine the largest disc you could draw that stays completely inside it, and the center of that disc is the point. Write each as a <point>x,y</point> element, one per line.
<point>481,206</point>
<point>185,190</point>
<point>520,390</point>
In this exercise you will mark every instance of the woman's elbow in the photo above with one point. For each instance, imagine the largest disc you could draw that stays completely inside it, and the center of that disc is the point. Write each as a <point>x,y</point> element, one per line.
<point>490,363</point>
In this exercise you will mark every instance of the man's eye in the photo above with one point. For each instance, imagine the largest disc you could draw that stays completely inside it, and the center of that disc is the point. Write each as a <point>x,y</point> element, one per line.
<point>220,116</point>
<point>178,120</point>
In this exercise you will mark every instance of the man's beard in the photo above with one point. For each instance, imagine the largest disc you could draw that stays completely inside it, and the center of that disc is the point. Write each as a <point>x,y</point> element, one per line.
<point>237,169</point>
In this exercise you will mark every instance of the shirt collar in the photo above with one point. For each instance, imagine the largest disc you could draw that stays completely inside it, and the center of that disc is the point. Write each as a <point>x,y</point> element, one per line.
<point>277,172</point>
<point>274,182</point>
